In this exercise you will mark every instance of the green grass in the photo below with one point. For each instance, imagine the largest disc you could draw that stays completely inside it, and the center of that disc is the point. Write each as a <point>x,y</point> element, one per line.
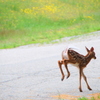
<point>83,98</point>
<point>95,96</point>
<point>29,21</point>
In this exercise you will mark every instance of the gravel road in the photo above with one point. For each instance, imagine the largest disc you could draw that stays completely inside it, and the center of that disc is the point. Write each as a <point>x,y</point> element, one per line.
<point>31,72</point>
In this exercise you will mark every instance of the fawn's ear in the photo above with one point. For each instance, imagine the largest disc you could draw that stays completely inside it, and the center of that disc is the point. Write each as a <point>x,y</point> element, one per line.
<point>92,49</point>
<point>87,49</point>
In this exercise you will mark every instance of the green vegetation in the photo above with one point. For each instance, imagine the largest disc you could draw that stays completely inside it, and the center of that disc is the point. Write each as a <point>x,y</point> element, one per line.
<point>83,98</point>
<point>37,21</point>
<point>95,96</point>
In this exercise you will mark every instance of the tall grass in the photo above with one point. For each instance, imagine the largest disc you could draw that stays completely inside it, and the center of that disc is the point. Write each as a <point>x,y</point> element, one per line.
<point>29,21</point>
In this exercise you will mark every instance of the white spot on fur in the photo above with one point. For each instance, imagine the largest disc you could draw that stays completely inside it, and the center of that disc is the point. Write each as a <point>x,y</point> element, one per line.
<point>65,52</point>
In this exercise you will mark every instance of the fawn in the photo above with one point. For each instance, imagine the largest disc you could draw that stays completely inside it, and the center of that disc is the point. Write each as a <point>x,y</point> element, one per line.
<point>70,56</point>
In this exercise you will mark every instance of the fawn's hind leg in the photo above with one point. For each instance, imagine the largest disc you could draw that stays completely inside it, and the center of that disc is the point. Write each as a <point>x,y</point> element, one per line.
<point>65,63</point>
<point>60,66</point>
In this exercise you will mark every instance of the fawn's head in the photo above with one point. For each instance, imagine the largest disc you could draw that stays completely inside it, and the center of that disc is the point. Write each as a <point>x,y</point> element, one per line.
<point>91,52</point>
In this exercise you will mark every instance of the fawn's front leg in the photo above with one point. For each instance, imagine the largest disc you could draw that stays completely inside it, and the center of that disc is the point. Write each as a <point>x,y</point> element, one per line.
<point>80,76</point>
<point>86,81</point>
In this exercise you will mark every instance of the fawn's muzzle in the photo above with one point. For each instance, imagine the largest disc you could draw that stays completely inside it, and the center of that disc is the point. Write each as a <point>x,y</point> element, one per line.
<point>95,57</point>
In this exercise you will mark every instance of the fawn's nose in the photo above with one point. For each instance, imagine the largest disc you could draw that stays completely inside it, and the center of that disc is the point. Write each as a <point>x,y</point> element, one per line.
<point>95,57</point>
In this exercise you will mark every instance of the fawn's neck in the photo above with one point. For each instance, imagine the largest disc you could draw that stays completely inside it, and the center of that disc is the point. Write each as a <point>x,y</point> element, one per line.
<point>88,58</point>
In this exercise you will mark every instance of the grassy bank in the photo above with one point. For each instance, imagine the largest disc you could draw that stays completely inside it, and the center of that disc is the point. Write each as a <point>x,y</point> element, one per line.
<point>29,21</point>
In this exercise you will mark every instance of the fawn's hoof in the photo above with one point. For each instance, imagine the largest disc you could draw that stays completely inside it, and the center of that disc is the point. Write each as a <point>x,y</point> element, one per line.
<point>62,78</point>
<point>80,90</point>
<point>68,76</point>
<point>90,89</point>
